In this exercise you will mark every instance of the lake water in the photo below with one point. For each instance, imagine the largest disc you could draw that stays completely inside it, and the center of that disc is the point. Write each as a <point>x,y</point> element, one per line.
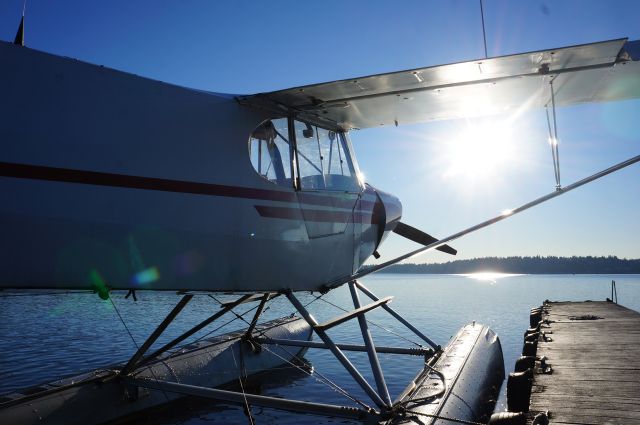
<point>49,336</point>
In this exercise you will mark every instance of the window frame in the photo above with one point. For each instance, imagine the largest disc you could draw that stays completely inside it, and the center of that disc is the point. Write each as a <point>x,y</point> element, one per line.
<point>291,151</point>
<point>294,161</point>
<point>349,157</point>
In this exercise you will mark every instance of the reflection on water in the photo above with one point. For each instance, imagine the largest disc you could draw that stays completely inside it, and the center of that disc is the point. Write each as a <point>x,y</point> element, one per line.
<point>46,337</point>
<point>488,276</point>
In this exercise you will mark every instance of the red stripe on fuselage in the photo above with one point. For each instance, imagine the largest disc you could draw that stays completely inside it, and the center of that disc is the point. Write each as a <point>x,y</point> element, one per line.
<point>322,216</point>
<point>66,175</point>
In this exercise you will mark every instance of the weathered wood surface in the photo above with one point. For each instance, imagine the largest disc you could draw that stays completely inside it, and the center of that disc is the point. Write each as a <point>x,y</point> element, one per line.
<point>596,365</point>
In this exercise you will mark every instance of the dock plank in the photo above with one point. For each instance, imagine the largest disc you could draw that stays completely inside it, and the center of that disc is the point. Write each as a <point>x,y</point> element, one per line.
<point>594,352</point>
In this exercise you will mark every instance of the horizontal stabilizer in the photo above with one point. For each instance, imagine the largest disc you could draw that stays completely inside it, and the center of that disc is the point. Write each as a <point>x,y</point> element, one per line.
<point>596,72</point>
<point>420,237</point>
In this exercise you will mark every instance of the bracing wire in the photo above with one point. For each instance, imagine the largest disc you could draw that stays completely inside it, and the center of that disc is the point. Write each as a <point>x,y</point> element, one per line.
<point>138,347</point>
<point>238,316</point>
<point>553,136</point>
<point>551,142</point>
<point>217,329</point>
<point>315,298</point>
<point>316,374</point>
<point>555,132</point>
<point>240,376</point>
<point>319,377</point>
<point>323,379</point>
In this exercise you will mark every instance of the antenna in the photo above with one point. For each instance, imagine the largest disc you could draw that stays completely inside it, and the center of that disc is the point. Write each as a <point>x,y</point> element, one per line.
<point>19,40</point>
<point>484,34</point>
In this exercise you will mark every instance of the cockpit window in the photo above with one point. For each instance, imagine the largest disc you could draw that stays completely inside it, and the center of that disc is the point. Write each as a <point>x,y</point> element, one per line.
<point>323,158</point>
<point>269,149</point>
<point>324,162</point>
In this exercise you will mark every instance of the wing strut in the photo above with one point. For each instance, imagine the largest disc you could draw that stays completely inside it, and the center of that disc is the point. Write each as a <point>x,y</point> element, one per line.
<point>491,221</point>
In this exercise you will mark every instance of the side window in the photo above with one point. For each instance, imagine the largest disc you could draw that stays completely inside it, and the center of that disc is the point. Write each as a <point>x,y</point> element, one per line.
<point>324,160</point>
<point>269,151</point>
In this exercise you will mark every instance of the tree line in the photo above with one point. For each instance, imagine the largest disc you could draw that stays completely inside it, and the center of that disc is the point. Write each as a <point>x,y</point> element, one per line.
<point>526,265</point>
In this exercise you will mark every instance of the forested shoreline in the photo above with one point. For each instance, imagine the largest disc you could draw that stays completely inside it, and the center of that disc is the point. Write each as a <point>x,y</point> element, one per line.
<point>526,265</point>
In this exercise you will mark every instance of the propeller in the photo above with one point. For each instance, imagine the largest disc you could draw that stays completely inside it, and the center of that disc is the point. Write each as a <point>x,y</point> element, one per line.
<point>386,213</point>
<point>420,237</point>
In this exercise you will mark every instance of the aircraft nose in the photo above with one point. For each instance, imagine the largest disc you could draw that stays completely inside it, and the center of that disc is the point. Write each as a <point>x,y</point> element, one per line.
<point>387,212</point>
<point>391,209</point>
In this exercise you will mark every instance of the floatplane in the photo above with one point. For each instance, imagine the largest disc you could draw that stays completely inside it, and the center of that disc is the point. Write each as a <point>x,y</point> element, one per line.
<point>266,191</point>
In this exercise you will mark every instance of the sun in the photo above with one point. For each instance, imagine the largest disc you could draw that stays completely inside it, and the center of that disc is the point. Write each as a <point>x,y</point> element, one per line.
<point>480,150</point>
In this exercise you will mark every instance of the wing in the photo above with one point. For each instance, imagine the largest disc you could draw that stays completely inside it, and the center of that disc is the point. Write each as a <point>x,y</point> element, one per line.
<point>596,72</point>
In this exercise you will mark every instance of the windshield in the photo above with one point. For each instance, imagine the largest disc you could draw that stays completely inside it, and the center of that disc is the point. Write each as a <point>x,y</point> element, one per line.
<point>324,161</point>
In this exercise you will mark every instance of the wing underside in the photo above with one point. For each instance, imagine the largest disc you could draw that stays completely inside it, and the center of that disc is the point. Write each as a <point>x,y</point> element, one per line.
<point>596,72</point>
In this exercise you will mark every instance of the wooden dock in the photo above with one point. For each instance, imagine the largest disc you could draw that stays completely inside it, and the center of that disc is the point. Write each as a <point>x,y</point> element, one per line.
<point>593,349</point>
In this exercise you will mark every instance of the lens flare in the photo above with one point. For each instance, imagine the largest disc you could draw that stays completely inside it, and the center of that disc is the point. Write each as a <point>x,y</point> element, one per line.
<point>147,276</point>
<point>98,284</point>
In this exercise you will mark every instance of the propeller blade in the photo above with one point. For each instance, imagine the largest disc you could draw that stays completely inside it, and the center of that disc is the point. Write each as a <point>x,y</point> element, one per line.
<point>420,237</point>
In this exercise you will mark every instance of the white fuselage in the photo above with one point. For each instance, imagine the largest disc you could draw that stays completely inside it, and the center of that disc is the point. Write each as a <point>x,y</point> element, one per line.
<point>107,178</point>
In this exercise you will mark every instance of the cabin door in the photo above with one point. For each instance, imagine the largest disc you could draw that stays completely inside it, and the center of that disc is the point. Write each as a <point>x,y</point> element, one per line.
<point>327,181</point>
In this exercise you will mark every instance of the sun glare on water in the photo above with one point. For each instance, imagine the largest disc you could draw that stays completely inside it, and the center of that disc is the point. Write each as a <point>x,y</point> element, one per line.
<point>488,276</point>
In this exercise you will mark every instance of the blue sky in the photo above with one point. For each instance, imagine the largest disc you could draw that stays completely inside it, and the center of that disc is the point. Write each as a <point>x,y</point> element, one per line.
<point>246,47</point>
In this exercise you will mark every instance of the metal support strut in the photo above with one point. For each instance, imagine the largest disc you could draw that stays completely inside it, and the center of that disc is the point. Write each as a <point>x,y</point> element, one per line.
<point>337,352</point>
<point>381,398</point>
<point>417,351</point>
<point>138,360</point>
<point>371,349</point>
<point>398,317</point>
<point>225,308</point>
<point>257,400</point>
<point>256,316</point>
<point>133,362</point>
<point>553,136</point>
<point>233,396</point>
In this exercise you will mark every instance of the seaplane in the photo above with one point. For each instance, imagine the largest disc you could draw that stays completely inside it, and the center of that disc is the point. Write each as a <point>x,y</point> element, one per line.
<point>259,196</point>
